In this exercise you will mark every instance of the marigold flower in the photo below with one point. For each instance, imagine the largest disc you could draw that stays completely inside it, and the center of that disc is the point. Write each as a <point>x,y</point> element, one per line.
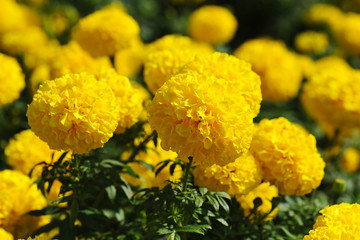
<point>331,98</point>
<point>311,42</point>
<point>347,33</point>
<point>128,100</point>
<point>23,158</point>
<point>324,14</point>
<point>278,68</point>
<point>106,31</point>
<point>19,196</point>
<point>152,156</point>
<point>266,192</point>
<point>39,75</point>
<point>212,24</point>
<point>75,112</point>
<point>288,156</point>
<point>12,80</point>
<point>336,222</point>
<point>206,111</point>
<point>4,235</point>
<point>235,178</point>
<point>350,160</point>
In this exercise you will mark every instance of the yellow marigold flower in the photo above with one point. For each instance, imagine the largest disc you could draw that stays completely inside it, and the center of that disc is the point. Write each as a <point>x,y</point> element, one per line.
<point>266,192</point>
<point>19,196</point>
<point>128,100</point>
<point>24,41</point>
<point>331,98</point>
<point>43,54</point>
<point>278,68</point>
<point>238,177</point>
<point>339,221</point>
<point>153,156</point>
<point>23,158</point>
<point>348,33</point>
<point>324,14</point>
<point>4,235</point>
<point>350,160</point>
<point>12,80</point>
<point>175,41</point>
<point>14,16</point>
<point>206,111</point>
<point>75,112</point>
<point>39,75</point>
<point>332,63</point>
<point>129,61</point>
<point>106,31</point>
<point>311,42</point>
<point>288,156</point>
<point>212,24</point>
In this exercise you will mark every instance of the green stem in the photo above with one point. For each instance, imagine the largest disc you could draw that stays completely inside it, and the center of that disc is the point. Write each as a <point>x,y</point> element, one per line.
<point>186,174</point>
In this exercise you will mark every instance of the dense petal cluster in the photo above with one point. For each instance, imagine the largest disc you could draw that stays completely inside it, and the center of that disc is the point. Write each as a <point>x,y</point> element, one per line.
<point>23,158</point>
<point>106,31</point>
<point>152,156</point>
<point>350,160</point>
<point>212,24</point>
<point>311,42</point>
<point>75,112</point>
<point>19,196</point>
<point>4,235</point>
<point>12,80</point>
<point>278,68</point>
<point>206,111</point>
<point>331,98</point>
<point>235,178</point>
<point>336,222</point>
<point>288,156</point>
<point>128,99</point>
<point>266,193</point>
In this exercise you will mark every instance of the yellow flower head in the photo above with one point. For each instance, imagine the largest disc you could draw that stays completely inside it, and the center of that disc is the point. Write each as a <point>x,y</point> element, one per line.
<point>348,33</point>
<point>106,31</point>
<point>238,177</point>
<point>206,111</point>
<point>212,24</point>
<point>12,80</point>
<point>152,156</point>
<point>266,192</point>
<point>128,100</point>
<point>4,235</point>
<point>19,196</point>
<point>311,42</point>
<point>24,41</point>
<point>339,221</point>
<point>324,14</point>
<point>129,61</point>
<point>23,158</point>
<point>75,112</point>
<point>350,160</point>
<point>278,68</point>
<point>288,156</point>
<point>331,98</point>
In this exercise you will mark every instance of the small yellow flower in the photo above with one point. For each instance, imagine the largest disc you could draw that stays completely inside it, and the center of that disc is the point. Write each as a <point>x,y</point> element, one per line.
<point>336,222</point>
<point>278,68</point>
<point>350,160</point>
<point>106,31</point>
<point>235,178</point>
<point>4,235</point>
<point>347,33</point>
<point>324,14</point>
<point>288,156</point>
<point>266,192</point>
<point>23,158</point>
<point>212,24</point>
<point>12,80</point>
<point>75,112</point>
<point>311,42</point>
<point>19,196</point>
<point>206,111</point>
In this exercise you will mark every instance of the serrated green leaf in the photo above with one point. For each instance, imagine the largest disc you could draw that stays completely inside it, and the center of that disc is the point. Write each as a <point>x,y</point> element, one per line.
<point>223,204</point>
<point>200,229</point>
<point>213,202</point>
<point>111,192</point>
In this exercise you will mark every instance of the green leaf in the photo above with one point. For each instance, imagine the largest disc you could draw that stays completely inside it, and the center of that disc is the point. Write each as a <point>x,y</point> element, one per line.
<point>111,192</point>
<point>222,221</point>
<point>223,204</point>
<point>161,165</point>
<point>203,190</point>
<point>213,202</point>
<point>74,211</point>
<point>289,234</point>
<point>126,188</point>
<point>200,229</point>
<point>109,163</point>
<point>223,195</point>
